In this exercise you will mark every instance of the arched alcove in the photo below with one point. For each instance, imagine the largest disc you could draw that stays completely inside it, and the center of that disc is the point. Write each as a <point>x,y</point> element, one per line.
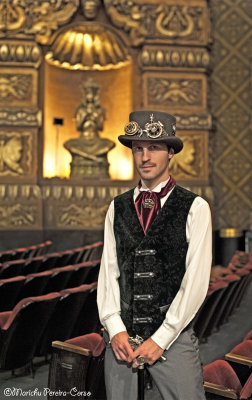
<point>79,52</point>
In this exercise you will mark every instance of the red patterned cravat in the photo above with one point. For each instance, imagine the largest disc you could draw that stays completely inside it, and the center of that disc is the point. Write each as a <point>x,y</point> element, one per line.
<point>148,204</point>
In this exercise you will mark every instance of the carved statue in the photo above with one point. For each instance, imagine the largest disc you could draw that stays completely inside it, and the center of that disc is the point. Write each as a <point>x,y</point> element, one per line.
<point>90,8</point>
<point>89,151</point>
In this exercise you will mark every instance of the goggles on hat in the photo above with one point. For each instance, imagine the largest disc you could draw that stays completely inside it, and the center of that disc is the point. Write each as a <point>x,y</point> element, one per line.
<point>152,129</point>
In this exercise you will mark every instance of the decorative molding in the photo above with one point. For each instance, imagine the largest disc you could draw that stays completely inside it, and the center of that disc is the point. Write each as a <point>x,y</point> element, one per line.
<point>18,87</point>
<point>177,91</point>
<point>20,117</point>
<point>16,153</point>
<point>21,207</point>
<point>16,52</point>
<point>159,57</point>
<point>77,215</point>
<point>172,22</point>
<point>193,121</point>
<point>18,215</point>
<point>191,164</point>
<point>40,18</point>
<point>75,193</point>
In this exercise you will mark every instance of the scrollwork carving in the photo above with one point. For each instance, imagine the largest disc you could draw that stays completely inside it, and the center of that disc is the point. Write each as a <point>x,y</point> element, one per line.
<point>78,216</point>
<point>40,18</point>
<point>17,215</point>
<point>175,91</point>
<point>150,21</point>
<point>15,87</point>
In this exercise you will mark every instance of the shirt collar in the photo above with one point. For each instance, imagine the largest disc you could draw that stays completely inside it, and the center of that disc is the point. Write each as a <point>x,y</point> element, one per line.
<point>156,189</point>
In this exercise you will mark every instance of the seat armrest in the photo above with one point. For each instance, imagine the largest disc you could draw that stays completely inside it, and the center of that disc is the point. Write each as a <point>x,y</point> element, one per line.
<point>220,390</point>
<point>71,347</point>
<point>237,358</point>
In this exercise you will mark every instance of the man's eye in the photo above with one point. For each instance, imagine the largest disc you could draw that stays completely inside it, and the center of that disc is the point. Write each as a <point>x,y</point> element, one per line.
<point>137,149</point>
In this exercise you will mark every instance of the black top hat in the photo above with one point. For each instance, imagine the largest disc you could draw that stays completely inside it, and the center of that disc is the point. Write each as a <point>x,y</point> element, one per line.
<point>154,126</point>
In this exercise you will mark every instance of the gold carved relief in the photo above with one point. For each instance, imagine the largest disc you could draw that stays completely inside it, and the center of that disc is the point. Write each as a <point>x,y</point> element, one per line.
<point>20,207</point>
<point>173,57</point>
<point>17,215</point>
<point>74,216</point>
<point>15,52</point>
<point>18,87</point>
<point>20,117</point>
<point>191,164</point>
<point>40,18</point>
<point>174,20</point>
<point>16,157</point>
<point>176,91</point>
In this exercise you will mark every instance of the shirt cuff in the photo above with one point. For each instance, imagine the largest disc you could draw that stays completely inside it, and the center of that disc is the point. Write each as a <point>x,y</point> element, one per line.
<point>114,325</point>
<point>164,337</point>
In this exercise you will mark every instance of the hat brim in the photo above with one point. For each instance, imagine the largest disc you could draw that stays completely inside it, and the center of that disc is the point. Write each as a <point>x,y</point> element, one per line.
<point>171,141</point>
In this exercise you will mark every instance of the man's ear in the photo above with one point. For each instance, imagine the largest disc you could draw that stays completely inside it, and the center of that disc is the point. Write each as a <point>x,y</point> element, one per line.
<point>171,153</point>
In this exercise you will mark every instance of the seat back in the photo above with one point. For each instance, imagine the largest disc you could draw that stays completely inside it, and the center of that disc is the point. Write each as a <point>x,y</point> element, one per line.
<point>35,285</point>
<point>63,319</point>
<point>23,328</point>
<point>59,279</point>
<point>11,269</point>
<point>88,320</point>
<point>9,291</point>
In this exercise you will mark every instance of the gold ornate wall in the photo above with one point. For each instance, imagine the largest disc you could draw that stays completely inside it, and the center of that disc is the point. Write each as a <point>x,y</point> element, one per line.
<point>231,59</point>
<point>168,43</point>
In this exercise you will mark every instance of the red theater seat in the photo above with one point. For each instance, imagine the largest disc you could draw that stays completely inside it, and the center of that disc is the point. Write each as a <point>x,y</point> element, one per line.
<point>21,328</point>
<point>78,363</point>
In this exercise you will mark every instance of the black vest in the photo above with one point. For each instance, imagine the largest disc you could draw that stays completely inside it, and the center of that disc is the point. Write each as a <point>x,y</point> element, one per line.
<point>151,266</point>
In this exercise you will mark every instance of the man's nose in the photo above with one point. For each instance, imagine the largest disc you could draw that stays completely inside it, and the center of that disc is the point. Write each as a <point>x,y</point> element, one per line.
<point>145,154</point>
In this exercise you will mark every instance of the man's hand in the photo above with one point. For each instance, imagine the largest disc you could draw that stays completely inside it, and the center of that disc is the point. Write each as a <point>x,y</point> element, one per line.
<point>149,350</point>
<point>122,349</point>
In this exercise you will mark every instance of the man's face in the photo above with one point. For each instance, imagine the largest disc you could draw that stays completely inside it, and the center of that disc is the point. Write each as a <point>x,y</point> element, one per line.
<point>152,161</point>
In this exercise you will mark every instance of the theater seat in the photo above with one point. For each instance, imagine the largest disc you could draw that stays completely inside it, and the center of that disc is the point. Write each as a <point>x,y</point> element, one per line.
<point>21,328</point>
<point>246,392</point>
<point>11,269</point>
<point>62,321</point>
<point>78,365</point>
<point>9,291</point>
<point>221,380</point>
<point>240,358</point>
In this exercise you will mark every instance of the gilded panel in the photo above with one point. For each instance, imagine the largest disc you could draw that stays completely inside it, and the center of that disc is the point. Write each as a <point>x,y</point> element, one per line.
<point>191,164</point>
<point>40,18</point>
<point>175,91</point>
<point>168,21</point>
<point>167,57</point>
<point>18,87</point>
<point>16,52</point>
<point>17,149</point>
<point>231,107</point>
<point>20,207</point>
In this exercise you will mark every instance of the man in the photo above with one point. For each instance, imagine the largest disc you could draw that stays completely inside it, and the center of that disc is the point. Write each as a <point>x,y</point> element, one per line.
<point>155,269</point>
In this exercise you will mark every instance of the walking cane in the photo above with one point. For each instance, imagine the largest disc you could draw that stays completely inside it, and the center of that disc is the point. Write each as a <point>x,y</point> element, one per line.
<point>135,343</point>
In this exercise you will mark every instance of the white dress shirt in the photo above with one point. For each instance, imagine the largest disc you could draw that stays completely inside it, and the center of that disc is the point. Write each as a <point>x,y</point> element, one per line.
<point>193,287</point>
